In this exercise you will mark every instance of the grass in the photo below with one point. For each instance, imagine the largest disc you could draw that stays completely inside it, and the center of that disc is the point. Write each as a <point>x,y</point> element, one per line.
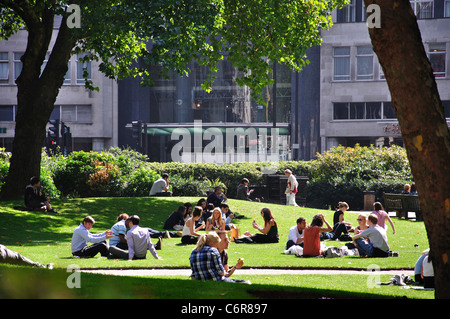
<point>45,238</point>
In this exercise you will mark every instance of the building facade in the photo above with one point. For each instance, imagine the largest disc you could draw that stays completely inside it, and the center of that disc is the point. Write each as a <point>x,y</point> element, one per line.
<point>91,116</point>
<point>355,103</point>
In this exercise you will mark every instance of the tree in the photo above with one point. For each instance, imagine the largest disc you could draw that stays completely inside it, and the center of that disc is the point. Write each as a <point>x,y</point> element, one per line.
<point>170,33</point>
<point>420,114</point>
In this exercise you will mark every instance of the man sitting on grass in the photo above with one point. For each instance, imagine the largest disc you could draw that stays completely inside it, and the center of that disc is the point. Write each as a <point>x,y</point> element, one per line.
<point>81,237</point>
<point>378,243</point>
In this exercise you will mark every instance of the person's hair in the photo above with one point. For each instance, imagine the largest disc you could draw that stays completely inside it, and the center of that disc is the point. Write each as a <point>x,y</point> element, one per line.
<point>198,210</point>
<point>34,180</point>
<point>89,219</point>
<point>363,216</point>
<point>288,171</point>
<point>300,220</point>
<point>220,214</point>
<point>181,209</point>
<point>244,180</point>
<point>123,216</point>
<point>342,204</point>
<point>201,201</point>
<point>267,214</point>
<point>223,205</point>
<point>377,206</point>
<point>165,175</point>
<point>207,239</point>
<point>406,187</point>
<point>373,219</point>
<point>216,188</point>
<point>413,187</point>
<point>135,219</point>
<point>317,221</point>
<point>187,205</point>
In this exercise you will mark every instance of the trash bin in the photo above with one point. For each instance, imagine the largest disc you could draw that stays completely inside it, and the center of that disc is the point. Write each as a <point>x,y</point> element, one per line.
<point>369,199</point>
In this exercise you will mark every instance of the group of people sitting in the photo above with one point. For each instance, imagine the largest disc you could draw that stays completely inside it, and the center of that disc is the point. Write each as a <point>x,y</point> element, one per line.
<point>369,240</point>
<point>214,214</point>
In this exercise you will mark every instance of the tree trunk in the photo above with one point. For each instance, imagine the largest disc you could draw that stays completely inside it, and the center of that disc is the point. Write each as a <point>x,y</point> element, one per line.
<point>36,95</point>
<point>415,98</point>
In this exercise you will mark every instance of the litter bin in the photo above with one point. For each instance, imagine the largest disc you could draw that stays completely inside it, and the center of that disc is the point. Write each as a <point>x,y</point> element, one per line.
<point>369,199</point>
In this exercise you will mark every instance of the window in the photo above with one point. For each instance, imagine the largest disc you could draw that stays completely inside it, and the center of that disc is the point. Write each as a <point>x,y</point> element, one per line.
<point>423,9</point>
<point>381,72</point>
<point>4,67</point>
<point>446,105</point>
<point>340,111</point>
<point>341,58</point>
<point>357,111</point>
<point>388,111</point>
<point>67,79</point>
<point>75,113</point>
<point>437,57</point>
<point>82,67</point>
<point>447,9</point>
<point>373,110</point>
<point>17,64</point>
<point>364,63</point>
<point>347,14</point>
<point>7,113</point>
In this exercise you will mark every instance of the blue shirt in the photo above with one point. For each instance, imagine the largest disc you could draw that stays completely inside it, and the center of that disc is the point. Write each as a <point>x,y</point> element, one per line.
<point>206,264</point>
<point>119,228</point>
<point>81,236</point>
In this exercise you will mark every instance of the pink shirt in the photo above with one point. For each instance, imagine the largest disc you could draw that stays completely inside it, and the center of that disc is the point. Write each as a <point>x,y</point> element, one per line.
<point>381,214</point>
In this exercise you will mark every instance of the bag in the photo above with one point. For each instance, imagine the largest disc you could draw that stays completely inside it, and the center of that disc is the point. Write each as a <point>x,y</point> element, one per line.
<point>234,234</point>
<point>333,252</point>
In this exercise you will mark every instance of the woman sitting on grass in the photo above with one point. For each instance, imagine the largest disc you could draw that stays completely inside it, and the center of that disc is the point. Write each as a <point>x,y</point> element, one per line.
<point>269,232</point>
<point>311,236</point>
<point>215,222</point>
<point>190,235</point>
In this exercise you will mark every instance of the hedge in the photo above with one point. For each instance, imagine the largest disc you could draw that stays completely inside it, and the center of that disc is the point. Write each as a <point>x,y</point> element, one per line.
<point>339,174</point>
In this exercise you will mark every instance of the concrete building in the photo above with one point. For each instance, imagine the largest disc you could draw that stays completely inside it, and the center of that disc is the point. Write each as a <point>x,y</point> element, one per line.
<point>355,103</point>
<point>91,116</point>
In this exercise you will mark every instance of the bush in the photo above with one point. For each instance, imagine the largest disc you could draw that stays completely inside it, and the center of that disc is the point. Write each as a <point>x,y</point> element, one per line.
<point>345,173</point>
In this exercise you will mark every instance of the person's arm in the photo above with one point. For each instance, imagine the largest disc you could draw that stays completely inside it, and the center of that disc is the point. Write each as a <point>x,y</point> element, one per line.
<point>266,228</point>
<point>390,222</point>
<point>325,230</point>
<point>230,271</point>
<point>152,249</point>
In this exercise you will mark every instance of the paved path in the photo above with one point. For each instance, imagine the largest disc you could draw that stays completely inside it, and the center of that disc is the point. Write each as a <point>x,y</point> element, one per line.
<point>245,271</point>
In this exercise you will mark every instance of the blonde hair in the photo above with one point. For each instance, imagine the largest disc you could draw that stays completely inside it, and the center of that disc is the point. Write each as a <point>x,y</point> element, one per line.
<point>343,204</point>
<point>206,239</point>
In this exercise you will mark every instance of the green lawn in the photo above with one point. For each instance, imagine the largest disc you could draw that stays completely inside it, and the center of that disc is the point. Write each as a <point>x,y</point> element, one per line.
<point>45,238</point>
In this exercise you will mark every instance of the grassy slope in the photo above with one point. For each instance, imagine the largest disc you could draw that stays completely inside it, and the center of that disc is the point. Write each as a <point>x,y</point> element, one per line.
<point>46,238</point>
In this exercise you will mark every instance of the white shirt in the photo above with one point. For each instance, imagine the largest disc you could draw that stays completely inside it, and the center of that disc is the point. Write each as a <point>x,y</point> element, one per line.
<point>427,267</point>
<point>294,234</point>
<point>139,242</point>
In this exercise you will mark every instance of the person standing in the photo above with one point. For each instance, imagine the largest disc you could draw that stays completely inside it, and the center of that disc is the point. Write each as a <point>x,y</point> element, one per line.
<point>82,236</point>
<point>291,188</point>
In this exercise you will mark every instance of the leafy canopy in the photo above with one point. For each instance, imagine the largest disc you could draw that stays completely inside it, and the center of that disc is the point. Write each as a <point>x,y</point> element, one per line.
<point>252,34</point>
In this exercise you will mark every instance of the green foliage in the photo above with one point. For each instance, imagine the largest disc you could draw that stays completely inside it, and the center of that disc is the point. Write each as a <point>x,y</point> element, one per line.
<point>345,173</point>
